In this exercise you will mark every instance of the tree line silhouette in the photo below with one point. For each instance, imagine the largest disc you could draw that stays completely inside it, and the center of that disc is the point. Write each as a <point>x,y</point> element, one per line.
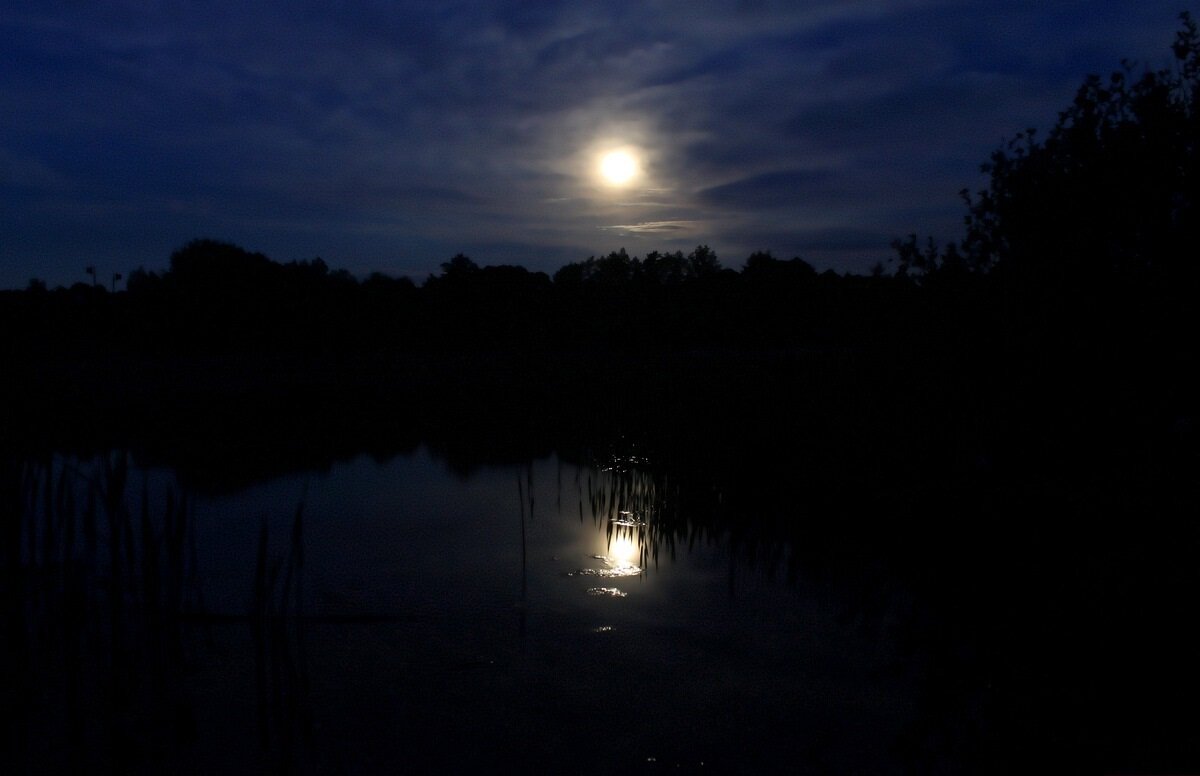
<point>217,296</point>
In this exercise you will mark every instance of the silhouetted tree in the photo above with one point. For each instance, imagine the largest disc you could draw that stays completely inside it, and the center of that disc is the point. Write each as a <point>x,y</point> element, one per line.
<point>312,271</point>
<point>1109,196</point>
<point>618,268</point>
<point>343,277</point>
<point>460,268</point>
<point>761,266</point>
<point>569,275</point>
<point>919,263</point>
<point>703,263</point>
<point>383,285</point>
<point>142,282</point>
<point>218,268</point>
<point>665,269</point>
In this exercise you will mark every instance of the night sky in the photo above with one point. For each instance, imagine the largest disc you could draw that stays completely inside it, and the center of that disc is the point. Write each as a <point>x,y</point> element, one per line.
<point>388,136</point>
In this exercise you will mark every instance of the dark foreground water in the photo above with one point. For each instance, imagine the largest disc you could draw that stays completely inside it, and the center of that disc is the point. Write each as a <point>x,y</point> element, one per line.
<point>534,615</point>
<point>604,614</point>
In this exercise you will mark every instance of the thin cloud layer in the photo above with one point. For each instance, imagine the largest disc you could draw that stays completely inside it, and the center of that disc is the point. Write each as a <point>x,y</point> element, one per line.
<point>389,136</point>
<point>653,227</point>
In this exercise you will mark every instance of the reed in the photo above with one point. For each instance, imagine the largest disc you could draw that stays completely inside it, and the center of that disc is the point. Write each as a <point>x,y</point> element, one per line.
<point>98,602</point>
<point>95,597</point>
<point>280,662</point>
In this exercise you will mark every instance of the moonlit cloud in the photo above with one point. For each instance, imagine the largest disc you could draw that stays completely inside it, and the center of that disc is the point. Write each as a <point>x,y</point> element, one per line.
<point>389,136</point>
<point>653,227</point>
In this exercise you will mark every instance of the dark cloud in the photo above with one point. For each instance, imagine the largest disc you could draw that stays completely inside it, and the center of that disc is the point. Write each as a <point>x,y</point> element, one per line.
<point>783,188</point>
<point>391,135</point>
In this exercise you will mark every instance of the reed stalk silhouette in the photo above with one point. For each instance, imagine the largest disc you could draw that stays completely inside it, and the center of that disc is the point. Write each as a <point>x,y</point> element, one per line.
<point>281,666</point>
<point>93,609</point>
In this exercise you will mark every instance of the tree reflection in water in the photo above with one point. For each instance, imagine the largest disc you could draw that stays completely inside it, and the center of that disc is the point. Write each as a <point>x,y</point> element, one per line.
<point>380,618</point>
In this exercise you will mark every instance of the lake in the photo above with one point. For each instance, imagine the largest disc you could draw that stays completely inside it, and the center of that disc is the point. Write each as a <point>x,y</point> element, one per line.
<point>641,604</point>
<point>542,614</point>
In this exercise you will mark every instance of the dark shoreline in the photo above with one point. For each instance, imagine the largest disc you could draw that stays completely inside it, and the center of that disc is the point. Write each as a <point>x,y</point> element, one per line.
<point>894,423</point>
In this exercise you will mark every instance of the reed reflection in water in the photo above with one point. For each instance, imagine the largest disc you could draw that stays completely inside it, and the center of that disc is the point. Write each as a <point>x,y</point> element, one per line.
<point>98,597</point>
<point>399,616</point>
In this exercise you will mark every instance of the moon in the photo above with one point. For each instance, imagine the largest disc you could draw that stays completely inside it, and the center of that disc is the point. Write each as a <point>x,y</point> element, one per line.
<point>618,168</point>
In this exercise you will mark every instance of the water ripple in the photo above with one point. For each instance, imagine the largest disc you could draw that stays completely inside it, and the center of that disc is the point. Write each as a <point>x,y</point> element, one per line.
<point>619,571</point>
<point>608,591</point>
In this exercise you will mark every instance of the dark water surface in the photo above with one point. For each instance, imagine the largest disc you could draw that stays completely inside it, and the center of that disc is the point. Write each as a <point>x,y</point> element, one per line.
<point>529,614</point>
<point>583,613</point>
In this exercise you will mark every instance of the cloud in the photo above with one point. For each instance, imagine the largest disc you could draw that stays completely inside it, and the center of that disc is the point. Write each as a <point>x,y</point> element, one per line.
<point>30,174</point>
<point>394,132</point>
<point>781,188</point>
<point>652,227</point>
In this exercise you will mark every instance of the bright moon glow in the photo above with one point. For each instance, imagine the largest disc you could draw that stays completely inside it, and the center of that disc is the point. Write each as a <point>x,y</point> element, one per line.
<point>618,167</point>
<point>622,551</point>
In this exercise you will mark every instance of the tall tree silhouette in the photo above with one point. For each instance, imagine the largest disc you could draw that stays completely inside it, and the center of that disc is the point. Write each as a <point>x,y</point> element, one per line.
<point>703,263</point>
<point>1109,196</point>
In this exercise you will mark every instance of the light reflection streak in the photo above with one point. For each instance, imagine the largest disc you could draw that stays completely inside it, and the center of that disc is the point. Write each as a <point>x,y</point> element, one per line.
<point>606,591</point>
<point>621,551</point>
